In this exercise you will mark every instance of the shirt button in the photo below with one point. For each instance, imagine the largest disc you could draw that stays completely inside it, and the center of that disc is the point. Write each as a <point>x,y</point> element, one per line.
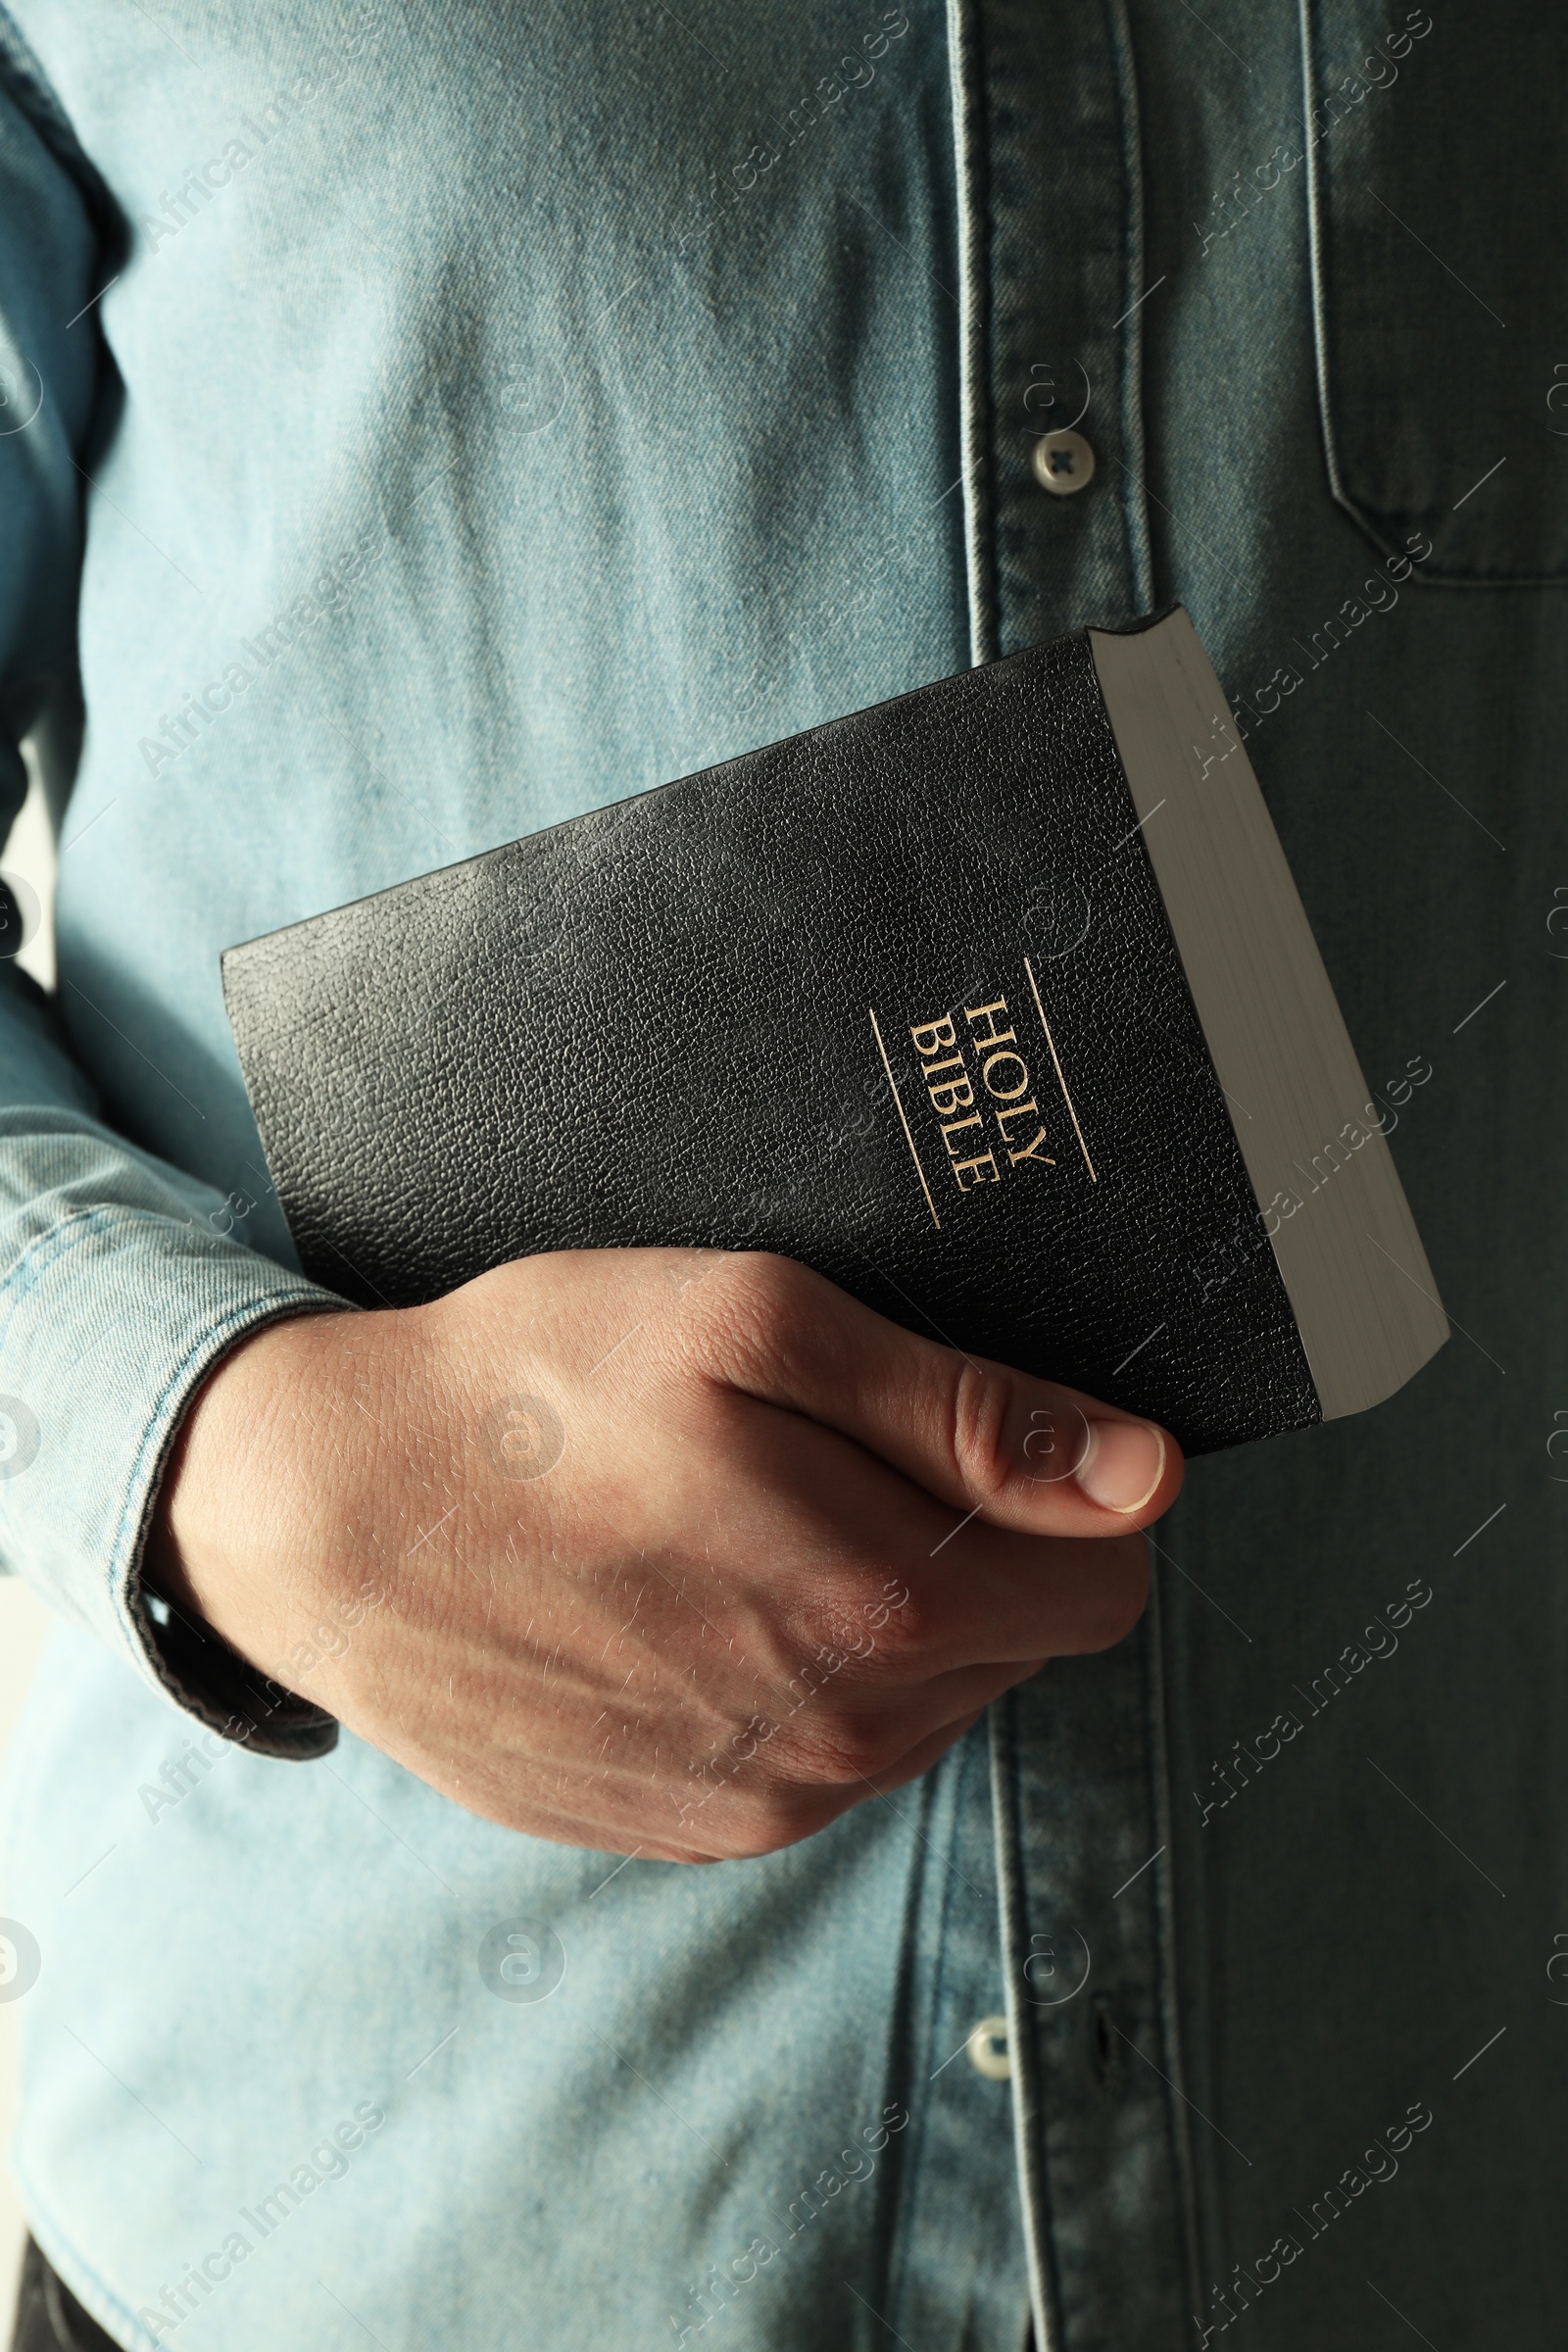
<point>988,2050</point>
<point>1063,462</point>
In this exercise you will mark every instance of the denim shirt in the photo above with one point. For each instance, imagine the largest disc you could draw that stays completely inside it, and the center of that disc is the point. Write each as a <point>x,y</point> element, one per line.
<point>425,424</point>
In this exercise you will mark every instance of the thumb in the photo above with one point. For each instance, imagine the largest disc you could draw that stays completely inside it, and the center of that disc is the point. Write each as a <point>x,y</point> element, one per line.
<point>1029,1454</point>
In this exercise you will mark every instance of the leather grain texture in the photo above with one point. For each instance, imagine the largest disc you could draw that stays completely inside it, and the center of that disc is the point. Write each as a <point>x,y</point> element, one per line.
<point>665,1022</point>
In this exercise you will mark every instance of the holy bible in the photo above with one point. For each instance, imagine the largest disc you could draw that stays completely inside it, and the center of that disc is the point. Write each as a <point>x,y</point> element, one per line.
<point>995,1003</point>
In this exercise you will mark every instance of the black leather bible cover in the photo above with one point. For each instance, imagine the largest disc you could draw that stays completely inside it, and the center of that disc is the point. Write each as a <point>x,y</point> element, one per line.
<point>897,998</point>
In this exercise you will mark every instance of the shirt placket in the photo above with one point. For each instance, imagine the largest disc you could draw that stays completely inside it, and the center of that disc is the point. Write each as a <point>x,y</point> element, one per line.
<point>1045,124</point>
<point>957,2274</point>
<point>1046,117</point>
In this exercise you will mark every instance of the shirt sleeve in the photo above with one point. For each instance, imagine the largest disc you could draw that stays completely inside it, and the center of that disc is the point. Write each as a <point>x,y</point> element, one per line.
<point>119,1293</point>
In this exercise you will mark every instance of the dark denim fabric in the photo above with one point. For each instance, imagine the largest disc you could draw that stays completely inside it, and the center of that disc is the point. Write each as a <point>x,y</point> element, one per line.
<point>49,2318</point>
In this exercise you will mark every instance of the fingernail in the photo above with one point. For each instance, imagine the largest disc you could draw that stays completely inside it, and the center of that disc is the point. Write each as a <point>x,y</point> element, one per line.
<point>1124,1464</point>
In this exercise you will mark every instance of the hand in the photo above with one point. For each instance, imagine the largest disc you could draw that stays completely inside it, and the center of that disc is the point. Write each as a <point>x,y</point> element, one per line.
<point>743,1556</point>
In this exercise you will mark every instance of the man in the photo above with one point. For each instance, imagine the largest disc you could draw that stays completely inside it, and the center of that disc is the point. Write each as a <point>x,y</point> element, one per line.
<point>429,424</point>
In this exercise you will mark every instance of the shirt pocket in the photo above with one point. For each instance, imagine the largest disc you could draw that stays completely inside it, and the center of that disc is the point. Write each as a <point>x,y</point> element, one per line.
<point>1437,146</point>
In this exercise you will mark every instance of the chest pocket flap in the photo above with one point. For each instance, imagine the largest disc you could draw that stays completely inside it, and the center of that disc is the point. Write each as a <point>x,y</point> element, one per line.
<point>1438,176</point>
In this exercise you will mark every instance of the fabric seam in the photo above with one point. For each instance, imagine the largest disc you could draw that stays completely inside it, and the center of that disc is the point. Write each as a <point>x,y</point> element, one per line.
<point>939,1974</point>
<point>968,128</point>
<point>1135,505</point>
<point>1158,1751</point>
<point>1028,2104</point>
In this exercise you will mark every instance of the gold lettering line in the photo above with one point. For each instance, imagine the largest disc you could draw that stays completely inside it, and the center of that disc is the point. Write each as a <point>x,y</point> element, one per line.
<point>1060,1080</point>
<point>902,1121</point>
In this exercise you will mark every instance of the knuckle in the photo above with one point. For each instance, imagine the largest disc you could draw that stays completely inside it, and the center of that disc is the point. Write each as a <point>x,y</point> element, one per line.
<point>793,1650</point>
<point>772,1649</point>
<point>904,1629</point>
<point>867,1627</point>
<point>978,1410</point>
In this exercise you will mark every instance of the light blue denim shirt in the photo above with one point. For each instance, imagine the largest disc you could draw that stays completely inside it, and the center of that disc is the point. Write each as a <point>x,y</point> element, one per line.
<point>421,425</point>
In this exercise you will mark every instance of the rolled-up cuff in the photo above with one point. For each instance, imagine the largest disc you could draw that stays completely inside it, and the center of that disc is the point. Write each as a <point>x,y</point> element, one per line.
<point>109,1324</point>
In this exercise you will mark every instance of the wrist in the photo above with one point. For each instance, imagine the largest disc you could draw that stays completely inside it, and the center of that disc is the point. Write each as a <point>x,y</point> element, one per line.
<point>211,1526</point>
